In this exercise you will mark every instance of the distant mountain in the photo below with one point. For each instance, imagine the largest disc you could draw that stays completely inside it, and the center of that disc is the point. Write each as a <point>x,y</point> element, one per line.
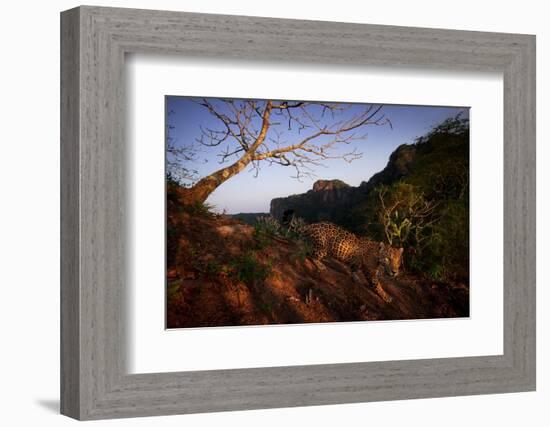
<point>249,218</point>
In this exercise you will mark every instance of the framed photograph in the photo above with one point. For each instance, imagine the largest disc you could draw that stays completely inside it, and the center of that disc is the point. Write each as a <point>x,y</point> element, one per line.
<point>262,213</point>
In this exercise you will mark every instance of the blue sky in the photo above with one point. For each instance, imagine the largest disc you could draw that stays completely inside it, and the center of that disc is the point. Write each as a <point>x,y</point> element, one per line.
<point>247,193</point>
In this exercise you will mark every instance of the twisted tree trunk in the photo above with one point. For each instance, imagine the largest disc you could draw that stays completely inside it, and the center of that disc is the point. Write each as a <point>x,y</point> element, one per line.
<point>204,187</point>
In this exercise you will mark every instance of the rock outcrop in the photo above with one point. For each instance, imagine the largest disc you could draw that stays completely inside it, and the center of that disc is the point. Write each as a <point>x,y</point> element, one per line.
<point>330,200</point>
<point>321,203</point>
<point>399,165</point>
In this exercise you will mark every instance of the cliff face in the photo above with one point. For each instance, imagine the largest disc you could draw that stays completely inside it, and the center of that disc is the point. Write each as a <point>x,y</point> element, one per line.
<point>330,200</point>
<point>399,165</point>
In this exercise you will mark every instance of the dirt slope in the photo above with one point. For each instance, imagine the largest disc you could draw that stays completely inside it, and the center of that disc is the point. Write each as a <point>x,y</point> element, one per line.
<point>223,273</point>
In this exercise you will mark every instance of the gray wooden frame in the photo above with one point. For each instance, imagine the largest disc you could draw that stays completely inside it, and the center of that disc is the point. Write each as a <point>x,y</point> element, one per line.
<point>94,382</point>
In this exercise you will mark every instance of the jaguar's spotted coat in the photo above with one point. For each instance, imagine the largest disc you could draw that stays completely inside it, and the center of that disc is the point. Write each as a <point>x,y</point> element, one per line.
<point>372,258</point>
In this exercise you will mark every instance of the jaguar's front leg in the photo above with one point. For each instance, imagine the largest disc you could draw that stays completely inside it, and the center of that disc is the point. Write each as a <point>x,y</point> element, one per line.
<point>319,264</point>
<point>375,280</point>
<point>317,258</point>
<point>382,293</point>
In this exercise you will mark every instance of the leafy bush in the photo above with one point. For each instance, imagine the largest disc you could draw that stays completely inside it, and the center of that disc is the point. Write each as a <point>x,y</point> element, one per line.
<point>404,214</point>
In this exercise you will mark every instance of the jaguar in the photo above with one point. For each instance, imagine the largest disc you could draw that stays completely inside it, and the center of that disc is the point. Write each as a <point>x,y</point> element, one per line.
<point>361,254</point>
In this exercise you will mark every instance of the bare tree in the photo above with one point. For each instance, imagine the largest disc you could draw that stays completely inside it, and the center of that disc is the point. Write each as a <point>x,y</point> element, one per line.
<point>179,157</point>
<point>252,133</point>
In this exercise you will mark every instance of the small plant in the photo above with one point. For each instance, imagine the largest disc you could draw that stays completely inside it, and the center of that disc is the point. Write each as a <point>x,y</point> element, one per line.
<point>437,272</point>
<point>173,288</point>
<point>213,268</point>
<point>249,270</point>
<point>263,239</point>
<point>268,225</point>
<point>266,308</point>
<point>265,228</point>
<point>198,209</point>
<point>304,249</point>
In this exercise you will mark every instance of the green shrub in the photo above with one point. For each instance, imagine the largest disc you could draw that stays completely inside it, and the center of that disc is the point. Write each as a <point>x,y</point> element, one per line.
<point>212,268</point>
<point>267,227</point>
<point>266,307</point>
<point>405,215</point>
<point>173,287</point>
<point>248,269</point>
<point>262,239</point>
<point>198,209</point>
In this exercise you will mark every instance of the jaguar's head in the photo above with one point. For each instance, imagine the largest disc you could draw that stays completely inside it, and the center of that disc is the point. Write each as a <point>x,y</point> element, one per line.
<point>391,258</point>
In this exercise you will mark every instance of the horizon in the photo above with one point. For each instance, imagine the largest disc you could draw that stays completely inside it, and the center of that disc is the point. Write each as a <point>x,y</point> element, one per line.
<point>247,193</point>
